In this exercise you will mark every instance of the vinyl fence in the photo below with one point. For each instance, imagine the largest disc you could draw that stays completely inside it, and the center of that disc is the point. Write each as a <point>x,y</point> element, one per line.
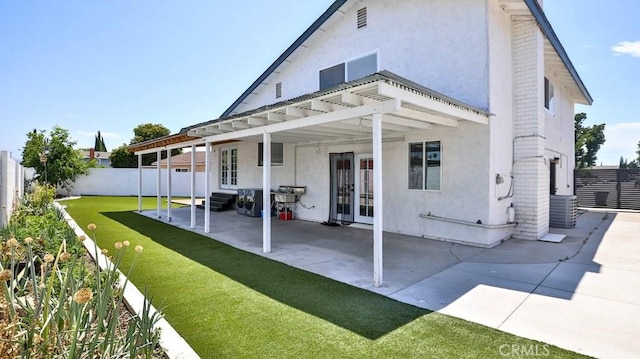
<point>608,188</point>
<point>124,182</point>
<point>12,176</point>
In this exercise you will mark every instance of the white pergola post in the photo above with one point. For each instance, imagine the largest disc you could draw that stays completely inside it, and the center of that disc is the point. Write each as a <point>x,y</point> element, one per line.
<point>193,186</point>
<point>377,199</point>
<point>169,185</point>
<point>207,188</point>
<point>139,183</point>
<point>266,192</point>
<point>158,184</point>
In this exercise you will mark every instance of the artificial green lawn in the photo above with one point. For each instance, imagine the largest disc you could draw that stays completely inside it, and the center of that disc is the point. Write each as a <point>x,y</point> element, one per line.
<point>228,303</point>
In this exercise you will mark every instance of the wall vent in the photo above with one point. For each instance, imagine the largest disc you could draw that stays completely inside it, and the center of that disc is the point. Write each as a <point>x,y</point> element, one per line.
<point>362,17</point>
<point>278,89</point>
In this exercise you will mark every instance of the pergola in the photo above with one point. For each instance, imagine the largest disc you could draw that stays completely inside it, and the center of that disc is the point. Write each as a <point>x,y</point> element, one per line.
<point>379,106</point>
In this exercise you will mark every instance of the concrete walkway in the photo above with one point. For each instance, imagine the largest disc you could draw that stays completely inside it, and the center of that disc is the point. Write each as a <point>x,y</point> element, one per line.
<point>582,294</point>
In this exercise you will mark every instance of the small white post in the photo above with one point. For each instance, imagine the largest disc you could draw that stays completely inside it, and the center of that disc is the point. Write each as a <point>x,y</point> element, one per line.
<point>158,184</point>
<point>266,192</point>
<point>207,188</point>
<point>139,183</point>
<point>193,186</point>
<point>377,199</point>
<point>169,185</point>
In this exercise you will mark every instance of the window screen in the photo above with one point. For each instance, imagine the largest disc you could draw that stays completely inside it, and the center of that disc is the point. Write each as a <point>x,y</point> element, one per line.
<point>362,67</point>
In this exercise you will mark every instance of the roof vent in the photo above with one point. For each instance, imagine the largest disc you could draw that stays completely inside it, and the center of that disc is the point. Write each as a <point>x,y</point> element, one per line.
<point>362,17</point>
<point>278,89</point>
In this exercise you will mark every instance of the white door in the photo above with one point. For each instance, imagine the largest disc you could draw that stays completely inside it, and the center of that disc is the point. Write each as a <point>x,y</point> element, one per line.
<point>229,167</point>
<point>364,189</point>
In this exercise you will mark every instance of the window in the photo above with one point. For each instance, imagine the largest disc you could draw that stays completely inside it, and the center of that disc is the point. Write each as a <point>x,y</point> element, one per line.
<point>548,95</point>
<point>277,154</point>
<point>348,71</point>
<point>425,163</point>
<point>362,17</point>
<point>279,90</point>
<point>332,76</point>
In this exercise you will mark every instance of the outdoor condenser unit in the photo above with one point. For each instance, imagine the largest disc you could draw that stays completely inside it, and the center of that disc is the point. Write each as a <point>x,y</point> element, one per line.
<point>563,211</point>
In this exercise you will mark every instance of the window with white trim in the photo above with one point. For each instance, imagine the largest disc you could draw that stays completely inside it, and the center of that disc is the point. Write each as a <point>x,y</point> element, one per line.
<point>425,165</point>
<point>348,71</point>
<point>548,95</point>
<point>277,154</point>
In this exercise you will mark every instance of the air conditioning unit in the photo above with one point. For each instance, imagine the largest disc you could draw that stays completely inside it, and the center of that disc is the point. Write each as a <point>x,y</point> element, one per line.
<point>563,211</point>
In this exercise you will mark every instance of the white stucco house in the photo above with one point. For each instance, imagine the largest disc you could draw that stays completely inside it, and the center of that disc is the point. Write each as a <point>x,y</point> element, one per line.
<point>450,120</point>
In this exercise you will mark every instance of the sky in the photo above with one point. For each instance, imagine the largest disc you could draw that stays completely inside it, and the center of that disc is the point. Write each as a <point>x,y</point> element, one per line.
<point>109,66</point>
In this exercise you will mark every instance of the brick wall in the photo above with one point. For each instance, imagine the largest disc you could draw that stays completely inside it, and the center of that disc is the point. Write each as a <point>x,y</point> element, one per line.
<point>531,176</point>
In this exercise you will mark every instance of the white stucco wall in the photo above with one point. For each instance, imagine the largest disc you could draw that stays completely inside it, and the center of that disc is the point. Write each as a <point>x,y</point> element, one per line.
<point>124,182</point>
<point>421,40</point>
<point>501,106</point>
<point>559,130</point>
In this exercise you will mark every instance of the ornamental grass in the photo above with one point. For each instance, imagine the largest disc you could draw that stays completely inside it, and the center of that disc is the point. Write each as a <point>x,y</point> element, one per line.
<point>62,305</point>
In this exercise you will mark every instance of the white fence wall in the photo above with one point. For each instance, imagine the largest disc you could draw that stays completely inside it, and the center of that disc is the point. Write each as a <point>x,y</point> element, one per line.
<point>11,184</point>
<point>124,182</point>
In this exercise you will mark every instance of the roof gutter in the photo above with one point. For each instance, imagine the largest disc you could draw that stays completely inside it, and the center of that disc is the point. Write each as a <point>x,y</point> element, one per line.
<point>544,24</point>
<point>305,35</point>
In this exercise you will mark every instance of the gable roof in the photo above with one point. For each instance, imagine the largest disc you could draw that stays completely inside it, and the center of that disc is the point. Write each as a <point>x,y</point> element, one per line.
<point>533,5</point>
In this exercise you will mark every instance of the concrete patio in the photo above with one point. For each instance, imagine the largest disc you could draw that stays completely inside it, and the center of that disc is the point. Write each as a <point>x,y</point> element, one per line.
<point>582,294</point>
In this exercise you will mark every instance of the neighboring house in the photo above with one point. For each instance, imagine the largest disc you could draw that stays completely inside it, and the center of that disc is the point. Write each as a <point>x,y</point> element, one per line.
<point>182,162</point>
<point>450,120</point>
<point>102,158</point>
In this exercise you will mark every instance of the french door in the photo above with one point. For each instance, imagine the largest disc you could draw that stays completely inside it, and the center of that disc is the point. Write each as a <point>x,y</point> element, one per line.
<point>228,167</point>
<point>342,187</point>
<point>364,189</point>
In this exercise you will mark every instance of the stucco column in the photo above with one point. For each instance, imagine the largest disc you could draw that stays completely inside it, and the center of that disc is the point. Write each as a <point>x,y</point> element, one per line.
<point>531,175</point>
<point>158,184</point>
<point>193,186</point>
<point>140,183</point>
<point>266,192</point>
<point>207,188</point>
<point>377,199</point>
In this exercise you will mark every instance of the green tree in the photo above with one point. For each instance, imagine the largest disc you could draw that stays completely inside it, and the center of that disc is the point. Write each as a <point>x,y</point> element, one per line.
<point>638,152</point>
<point>588,140</point>
<point>121,158</point>
<point>99,143</point>
<point>53,157</point>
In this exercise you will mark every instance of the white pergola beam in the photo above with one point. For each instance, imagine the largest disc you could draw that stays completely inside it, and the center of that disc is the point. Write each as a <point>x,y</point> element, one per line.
<point>406,122</point>
<point>238,124</point>
<point>431,104</point>
<point>388,106</point>
<point>256,121</point>
<point>426,117</point>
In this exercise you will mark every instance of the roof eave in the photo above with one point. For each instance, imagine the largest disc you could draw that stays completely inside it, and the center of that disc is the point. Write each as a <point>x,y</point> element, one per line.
<point>290,50</point>
<point>547,29</point>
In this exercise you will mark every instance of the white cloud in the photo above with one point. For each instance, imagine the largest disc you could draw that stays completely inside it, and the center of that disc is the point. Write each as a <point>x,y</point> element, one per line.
<point>627,48</point>
<point>621,140</point>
